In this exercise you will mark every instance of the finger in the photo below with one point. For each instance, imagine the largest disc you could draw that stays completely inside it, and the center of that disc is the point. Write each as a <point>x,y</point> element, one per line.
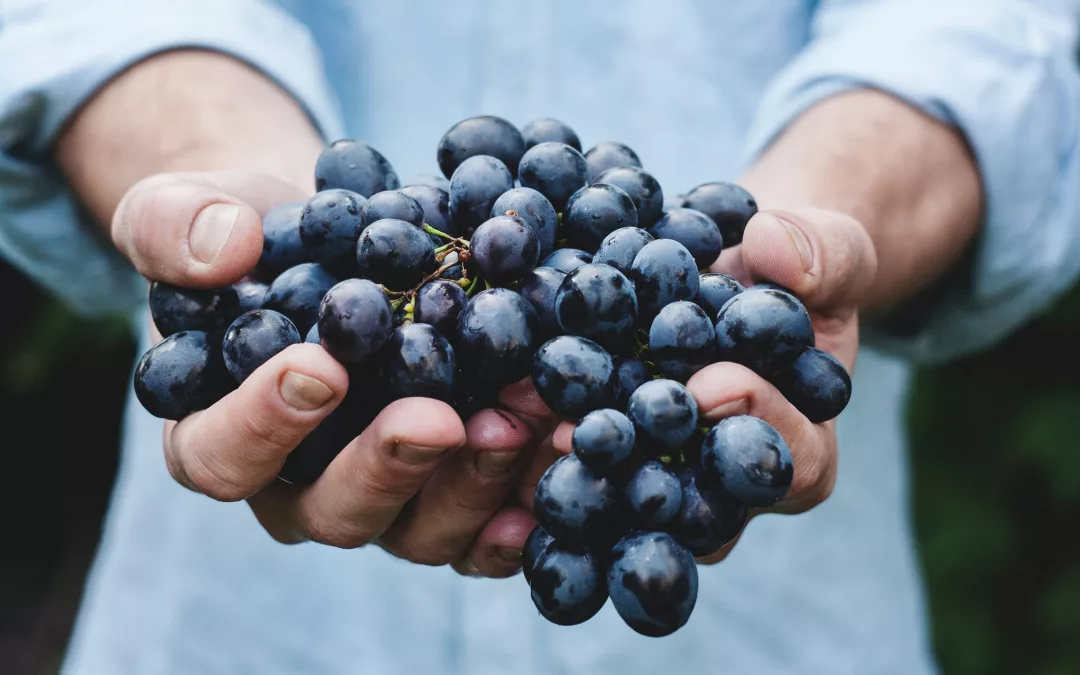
<point>466,490</point>
<point>728,389</point>
<point>563,436</point>
<point>238,445</point>
<point>730,263</point>
<point>497,550</point>
<point>370,481</point>
<point>521,399</point>
<point>196,230</point>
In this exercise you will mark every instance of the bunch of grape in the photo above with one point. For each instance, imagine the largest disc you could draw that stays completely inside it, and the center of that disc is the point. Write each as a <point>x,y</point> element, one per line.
<point>532,259</point>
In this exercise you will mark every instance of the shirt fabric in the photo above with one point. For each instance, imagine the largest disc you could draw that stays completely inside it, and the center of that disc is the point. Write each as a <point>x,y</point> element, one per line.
<point>185,585</point>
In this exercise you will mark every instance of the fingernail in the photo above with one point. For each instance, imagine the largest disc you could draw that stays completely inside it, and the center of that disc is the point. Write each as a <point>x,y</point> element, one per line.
<point>510,555</point>
<point>304,392</point>
<point>495,464</point>
<point>417,454</point>
<point>739,406</point>
<point>802,244</point>
<point>211,230</point>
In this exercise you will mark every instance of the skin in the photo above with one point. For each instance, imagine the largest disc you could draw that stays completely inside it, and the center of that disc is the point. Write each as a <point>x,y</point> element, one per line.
<point>865,201</point>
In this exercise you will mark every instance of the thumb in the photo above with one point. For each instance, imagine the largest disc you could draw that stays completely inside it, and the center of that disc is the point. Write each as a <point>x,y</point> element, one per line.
<point>826,258</point>
<point>197,230</point>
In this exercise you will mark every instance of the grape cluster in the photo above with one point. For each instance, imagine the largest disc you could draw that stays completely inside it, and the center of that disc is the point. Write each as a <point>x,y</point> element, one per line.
<point>528,259</point>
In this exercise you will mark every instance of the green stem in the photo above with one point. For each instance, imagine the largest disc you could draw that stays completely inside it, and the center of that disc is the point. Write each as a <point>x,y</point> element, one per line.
<point>472,287</point>
<point>431,230</point>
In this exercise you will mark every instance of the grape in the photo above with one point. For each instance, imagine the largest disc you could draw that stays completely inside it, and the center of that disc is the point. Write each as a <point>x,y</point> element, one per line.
<point>694,230</point>
<point>568,585</point>
<point>329,227</point>
<point>574,504</point>
<point>654,495</point>
<point>534,209</point>
<point>451,261</point>
<point>355,413</point>
<point>356,166</point>
<point>539,288</point>
<point>555,170</point>
<point>474,187</point>
<point>681,340</point>
<point>663,272</point>
<point>438,304</point>
<point>630,373</point>
<point>435,203</point>
<point>312,336</point>
<point>482,135</point>
<point>672,202</point>
<point>497,335</point>
<point>817,384</point>
<point>727,205</point>
<point>538,542</point>
<point>598,302</point>
<point>574,376</point>
<point>567,259</point>
<point>249,295</point>
<point>282,246</point>
<point>653,583</point>
<point>620,247</point>
<point>182,374</point>
<point>714,290</point>
<point>595,211</point>
<point>763,329</point>
<point>419,362</point>
<point>176,309</point>
<point>643,189</point>
<point>505,249</point>
<point>548,130</point>
<point>473,394</point>
<point>664,414</point>
<point>355,320</point>
<point>747,459</point>
<point>427,180</point>
<point>610,155</point>
<point>254,338</point>
<point>394,253</point>
<point>706,522</point>
<point>391,204</point>
<point>603,440</point>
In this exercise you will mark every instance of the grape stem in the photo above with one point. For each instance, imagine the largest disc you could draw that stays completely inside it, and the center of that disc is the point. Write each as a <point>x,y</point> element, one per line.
<point>472,287</point>
<point>439,233</point>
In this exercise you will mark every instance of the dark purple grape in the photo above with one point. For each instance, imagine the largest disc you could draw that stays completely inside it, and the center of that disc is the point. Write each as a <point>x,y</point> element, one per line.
<point>539,288</point>
<point>681,340</point>
<point>310,458</point>
<point>182,374</point>
<point>297,292</point>
<point>394,253</point>
<point>356,166</point>
<point>473,395</point>
<point>282,246</point>
<point>817,384</point>
<point>555,170</point>
<point>419,362</point>
<point>643,189</point>
<point>504,249</point>
<point>393,204</point>
<point>663,272</point>
<point>568,585</point>
<point>534,209</point>
<point>746,459</point>
<point>653,583</point>
<point>603,440</point>
<point>764,330</point>
<point>706,521</point>
<point>575,505</point>
<point>574,376</point>
<point>664,414</point>
<point>481,135</point>
<point>497,336</point>
<point>474,187</point>
<point>694,230</point>
<point>672,202</point>
<point>254,338</point>
<point>630,373</point>
<point>598,302</point>
<point>450,264</point>
<point>312,336</point>
<point>727,205</point>
<point>610,155</point>
<point>549,130</point>
<point>329,227</point>
<point>653,494</point>
<point>594,212</point>
<point>567,259</point>
<point>355,320</point>
<point>435,203</point>
<point>714,290</point>
<point>535,545</point>
<point>438,304</point>
<point>619,248</point>
<point>250,295</point>
<point>428,180</point>
<point>176,309</point>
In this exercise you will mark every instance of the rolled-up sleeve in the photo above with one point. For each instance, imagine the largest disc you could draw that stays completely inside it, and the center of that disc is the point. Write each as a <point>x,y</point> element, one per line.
<point>1005,73</point>
<point>54,55</point>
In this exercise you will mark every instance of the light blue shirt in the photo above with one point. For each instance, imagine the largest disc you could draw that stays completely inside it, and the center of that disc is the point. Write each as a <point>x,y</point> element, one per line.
<point>185,585</point>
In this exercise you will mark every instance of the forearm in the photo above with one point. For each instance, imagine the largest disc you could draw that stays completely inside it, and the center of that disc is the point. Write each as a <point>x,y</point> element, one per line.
<point>184,111</point>
<point>910,180</point>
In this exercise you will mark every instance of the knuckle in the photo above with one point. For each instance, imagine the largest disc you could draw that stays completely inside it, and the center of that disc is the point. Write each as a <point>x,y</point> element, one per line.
<point>215,481</point>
